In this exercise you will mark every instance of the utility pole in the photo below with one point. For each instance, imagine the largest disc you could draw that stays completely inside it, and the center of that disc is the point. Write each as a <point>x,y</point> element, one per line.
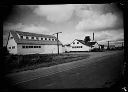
<point>57,41</point>
<point>122,45</point>
<point>108,44</point>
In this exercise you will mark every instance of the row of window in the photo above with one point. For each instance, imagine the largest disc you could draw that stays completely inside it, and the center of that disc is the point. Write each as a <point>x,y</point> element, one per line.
<point>13,47</point>
<point>74,42</point>
<point>37,38</point>
<point>31,46</point>
<point>76,46</point>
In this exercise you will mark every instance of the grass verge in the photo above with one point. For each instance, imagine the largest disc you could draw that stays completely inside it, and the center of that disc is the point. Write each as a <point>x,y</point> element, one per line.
<point>18,63</point>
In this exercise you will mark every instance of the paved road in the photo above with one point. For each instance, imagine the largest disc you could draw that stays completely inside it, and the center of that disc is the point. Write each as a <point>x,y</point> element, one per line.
<point>101,69</point>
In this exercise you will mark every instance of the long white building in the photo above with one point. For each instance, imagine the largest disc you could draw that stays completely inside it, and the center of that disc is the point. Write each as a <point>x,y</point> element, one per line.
<point>31,43</point>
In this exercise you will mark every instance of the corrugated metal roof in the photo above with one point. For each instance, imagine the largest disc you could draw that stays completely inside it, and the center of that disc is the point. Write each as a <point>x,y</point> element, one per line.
<point>87,43</point>
<point>32,41</point>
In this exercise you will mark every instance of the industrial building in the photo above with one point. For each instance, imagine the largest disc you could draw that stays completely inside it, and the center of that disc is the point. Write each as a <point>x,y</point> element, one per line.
<point>31,43</point>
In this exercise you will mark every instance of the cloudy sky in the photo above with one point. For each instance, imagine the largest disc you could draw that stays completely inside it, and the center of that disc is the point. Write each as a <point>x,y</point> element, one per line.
<point>75,21</point>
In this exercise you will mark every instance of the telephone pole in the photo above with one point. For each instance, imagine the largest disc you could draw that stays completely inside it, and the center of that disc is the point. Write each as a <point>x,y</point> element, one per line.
<point>108,44</point>
<point>122,45</point>
<point>57,41</point>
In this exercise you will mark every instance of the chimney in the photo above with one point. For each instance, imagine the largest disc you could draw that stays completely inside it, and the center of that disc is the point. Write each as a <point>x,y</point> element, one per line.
<point>93,36</point>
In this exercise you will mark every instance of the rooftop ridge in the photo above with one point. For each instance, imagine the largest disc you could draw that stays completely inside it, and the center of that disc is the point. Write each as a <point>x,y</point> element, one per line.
<point>30,41</point>
<point>29,33</point>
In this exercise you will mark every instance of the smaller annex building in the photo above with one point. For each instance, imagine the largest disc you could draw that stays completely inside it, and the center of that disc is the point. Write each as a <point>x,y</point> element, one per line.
<point>81,45</point>
<point>32,43</point>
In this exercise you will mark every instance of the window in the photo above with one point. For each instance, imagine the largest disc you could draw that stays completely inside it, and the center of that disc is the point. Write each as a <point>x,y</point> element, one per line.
<point>39,46</point>
<point>26,37</point>
<point>21,37</point>
<point>81,46</point>
<point>9,47</point>
<point>45,38</point>
<point>73,42</point>
<point>41,38</point>
<point>11,37</point>
<point>31,46</point>
<point>34,46</point>
<point>52,39</point>
<point>49,39</point>
<point>32,37</point>
<point>26,46</point>
<point>13,47</point>
<point>77,42</point>
<point>23,46</point>
<point>37,38</point>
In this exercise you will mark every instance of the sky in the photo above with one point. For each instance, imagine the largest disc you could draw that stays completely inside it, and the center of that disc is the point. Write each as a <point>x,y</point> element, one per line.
<point>75,21</point>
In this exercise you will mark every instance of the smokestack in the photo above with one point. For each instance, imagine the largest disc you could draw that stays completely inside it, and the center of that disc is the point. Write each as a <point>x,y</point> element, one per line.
<point>93,36</point>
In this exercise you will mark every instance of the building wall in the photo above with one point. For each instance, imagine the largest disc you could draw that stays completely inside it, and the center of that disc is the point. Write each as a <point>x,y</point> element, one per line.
<point>45,49</point>
<point>67,48</point>
<point>12,44</point>
<point>95,46</point>
<point>84,47</point>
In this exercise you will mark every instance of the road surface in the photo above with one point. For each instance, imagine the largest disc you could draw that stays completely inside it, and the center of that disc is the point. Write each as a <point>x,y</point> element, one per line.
<point>101,69</point>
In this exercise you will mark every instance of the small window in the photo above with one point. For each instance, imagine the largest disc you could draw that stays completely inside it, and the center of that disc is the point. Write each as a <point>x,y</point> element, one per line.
<point>73,47</point>
<point>73,42</point>
<point>29,46</point>
<point>26,37</point>
<point>26,46</point>
<point>11,37</point>
<point>81,46</point>
<point>45,38</point>
<point>34,46</point>
<point>39,46</point>
<point>9,47</point>
<point>52,39</point>
<point>77,42</point>
<point>49,39</point>
<point>37,38</point>
<point>32,38</point>
<point>13,47</point>
<point>41,38</point>
<point>21,37</point>
<point>23,46</point>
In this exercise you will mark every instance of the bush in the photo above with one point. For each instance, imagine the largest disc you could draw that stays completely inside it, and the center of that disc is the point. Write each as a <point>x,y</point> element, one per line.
<point>95,50</point>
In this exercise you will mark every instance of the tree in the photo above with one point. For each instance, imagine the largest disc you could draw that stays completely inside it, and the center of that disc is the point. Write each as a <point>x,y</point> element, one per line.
<point>87,39</point>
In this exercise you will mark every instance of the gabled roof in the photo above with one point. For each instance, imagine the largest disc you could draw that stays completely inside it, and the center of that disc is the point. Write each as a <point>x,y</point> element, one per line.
<point>87,43</point>
<point>32,41</point>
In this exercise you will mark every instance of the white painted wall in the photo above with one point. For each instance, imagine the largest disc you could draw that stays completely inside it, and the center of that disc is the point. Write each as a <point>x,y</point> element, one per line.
<point>84,47</point>
<point>45,49</point>
<point>11,42</point>
<point>95,46</point>
<point>67,48</point>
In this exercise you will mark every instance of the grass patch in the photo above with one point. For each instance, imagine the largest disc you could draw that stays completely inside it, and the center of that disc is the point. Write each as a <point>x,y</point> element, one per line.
<point>17,63</point>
